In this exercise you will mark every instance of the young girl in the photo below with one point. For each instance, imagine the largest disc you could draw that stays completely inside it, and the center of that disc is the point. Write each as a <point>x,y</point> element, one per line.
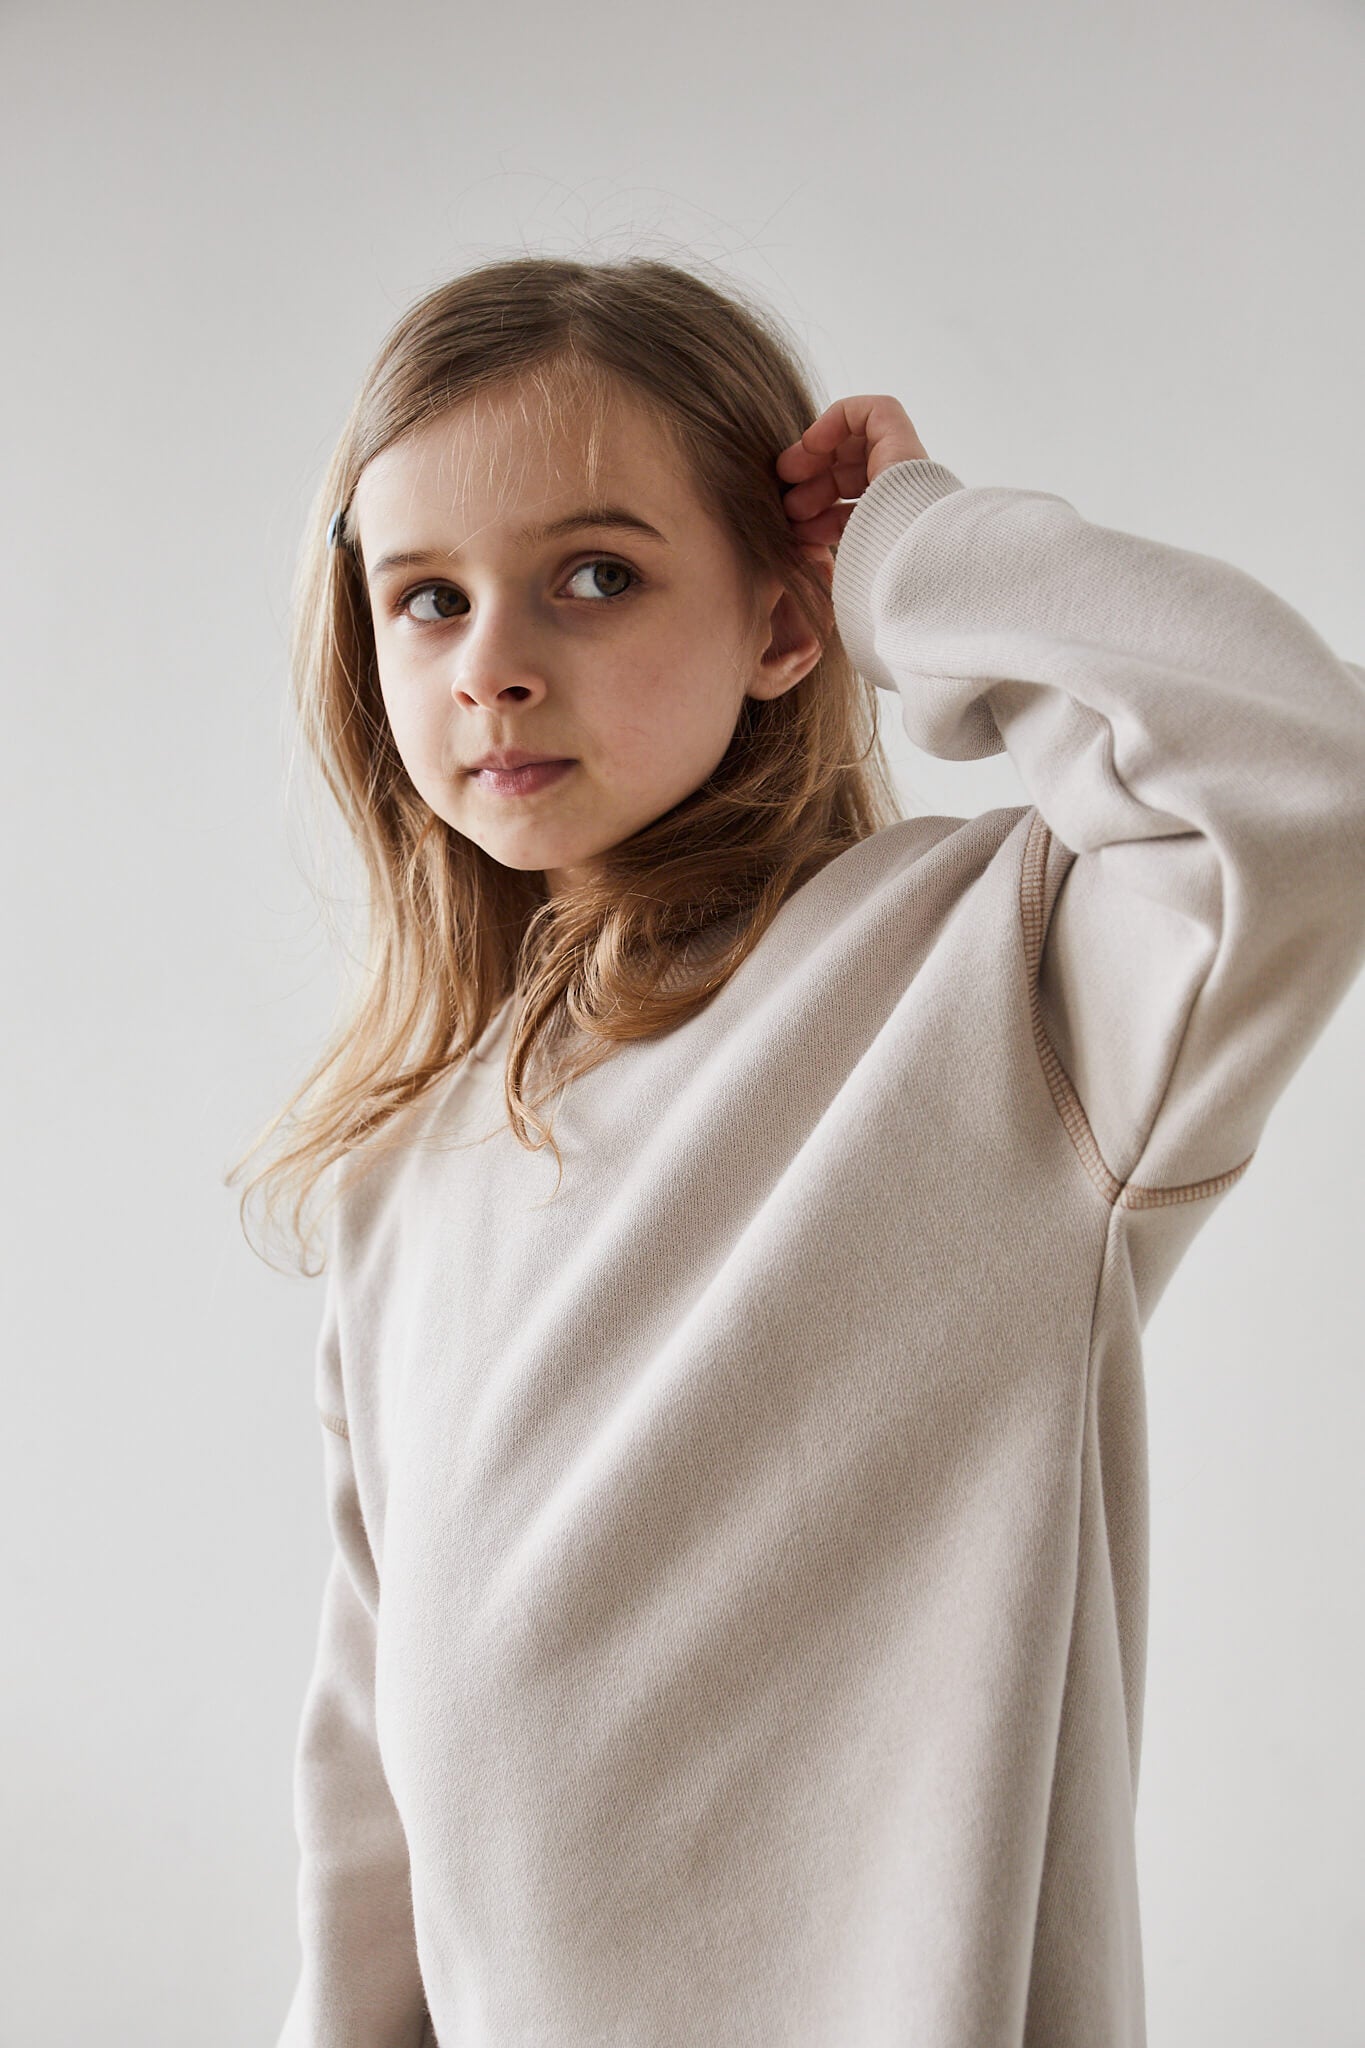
<point>736,1627</point>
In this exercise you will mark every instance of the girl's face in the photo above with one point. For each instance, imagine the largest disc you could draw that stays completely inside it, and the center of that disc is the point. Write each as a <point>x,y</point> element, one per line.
<point>615,635</point>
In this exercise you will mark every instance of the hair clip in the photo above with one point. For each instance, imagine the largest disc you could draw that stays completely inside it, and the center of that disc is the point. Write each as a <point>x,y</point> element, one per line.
<point>334,530</point>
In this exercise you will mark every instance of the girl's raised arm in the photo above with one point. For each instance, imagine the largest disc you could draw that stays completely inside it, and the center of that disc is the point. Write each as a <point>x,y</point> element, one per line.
<point>1192,887</point>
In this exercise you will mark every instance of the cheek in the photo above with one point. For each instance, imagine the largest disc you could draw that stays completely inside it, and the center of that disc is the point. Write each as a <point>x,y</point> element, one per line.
<point>666,702</point>
<point>407,699</point>
<point>416,732</point>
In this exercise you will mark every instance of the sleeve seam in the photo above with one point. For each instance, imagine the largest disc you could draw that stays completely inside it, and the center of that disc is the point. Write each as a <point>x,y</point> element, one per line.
<point>1070,1109</point>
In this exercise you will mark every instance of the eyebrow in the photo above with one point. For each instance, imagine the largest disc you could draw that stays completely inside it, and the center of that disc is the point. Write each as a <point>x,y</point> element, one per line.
<point>532,536</point>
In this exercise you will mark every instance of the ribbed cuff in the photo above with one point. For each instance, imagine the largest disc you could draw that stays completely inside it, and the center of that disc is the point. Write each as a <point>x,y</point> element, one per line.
<point>889,504</point>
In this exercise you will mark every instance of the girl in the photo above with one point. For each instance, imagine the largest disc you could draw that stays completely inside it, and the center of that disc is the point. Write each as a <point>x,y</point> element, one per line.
<point>735,1632</point>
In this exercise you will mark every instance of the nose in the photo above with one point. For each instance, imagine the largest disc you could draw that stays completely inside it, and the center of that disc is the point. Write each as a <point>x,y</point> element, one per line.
<point>494,663</point>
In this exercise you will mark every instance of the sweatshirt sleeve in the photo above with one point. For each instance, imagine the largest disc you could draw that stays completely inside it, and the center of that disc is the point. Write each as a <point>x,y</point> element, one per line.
<point>1193,897</point>
<point>360,1985</point>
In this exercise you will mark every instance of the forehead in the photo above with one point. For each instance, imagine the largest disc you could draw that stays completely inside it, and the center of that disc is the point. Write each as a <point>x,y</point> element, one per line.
<point>518,453</point>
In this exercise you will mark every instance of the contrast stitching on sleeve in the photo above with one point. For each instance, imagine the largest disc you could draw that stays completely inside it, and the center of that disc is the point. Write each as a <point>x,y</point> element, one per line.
<point>1123,1194</point>
<point>1136,1197</point>
<point>334,1422</point>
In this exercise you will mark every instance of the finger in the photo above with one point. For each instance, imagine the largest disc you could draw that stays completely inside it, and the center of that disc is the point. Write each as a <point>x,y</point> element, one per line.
<point>821,438</point>
<point>800,461</point>
<point>838,422</point>
<point>802,501</point>
<point>825,529</point>
<point>875,418</point>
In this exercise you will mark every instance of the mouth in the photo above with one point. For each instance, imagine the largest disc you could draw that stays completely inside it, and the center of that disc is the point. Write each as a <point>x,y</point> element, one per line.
<point>524,781</point>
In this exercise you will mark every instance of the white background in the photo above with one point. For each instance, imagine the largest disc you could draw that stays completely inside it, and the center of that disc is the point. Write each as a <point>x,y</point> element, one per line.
<point>1109,251</point>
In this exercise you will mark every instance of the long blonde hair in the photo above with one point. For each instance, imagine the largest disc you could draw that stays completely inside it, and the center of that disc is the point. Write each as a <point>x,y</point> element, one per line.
<point>451,933</point>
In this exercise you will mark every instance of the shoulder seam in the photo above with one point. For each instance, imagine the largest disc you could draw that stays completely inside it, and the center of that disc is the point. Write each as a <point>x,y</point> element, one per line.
<point>1033,919</point>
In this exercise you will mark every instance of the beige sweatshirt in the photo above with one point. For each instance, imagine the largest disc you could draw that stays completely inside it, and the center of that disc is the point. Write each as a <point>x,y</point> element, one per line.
<point>735,1635</point>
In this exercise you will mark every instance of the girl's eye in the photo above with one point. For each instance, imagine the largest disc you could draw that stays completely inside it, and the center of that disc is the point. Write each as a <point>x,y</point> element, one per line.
<point>612,569</point>
<point>438,593</point>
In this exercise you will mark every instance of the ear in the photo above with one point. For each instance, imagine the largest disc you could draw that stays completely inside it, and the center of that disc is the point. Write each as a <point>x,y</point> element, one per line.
<point>793,649</point>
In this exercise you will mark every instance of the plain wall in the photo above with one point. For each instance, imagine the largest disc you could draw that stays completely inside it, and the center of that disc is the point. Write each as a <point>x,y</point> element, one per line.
<point>1110,252</point>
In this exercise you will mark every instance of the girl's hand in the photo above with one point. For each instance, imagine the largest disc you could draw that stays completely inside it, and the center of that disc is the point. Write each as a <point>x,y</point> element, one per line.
<point>838,456</point>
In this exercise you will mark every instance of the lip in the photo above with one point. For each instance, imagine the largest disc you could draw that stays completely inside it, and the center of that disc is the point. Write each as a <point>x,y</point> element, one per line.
<point>511,757</point>
<point>524,780</point>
